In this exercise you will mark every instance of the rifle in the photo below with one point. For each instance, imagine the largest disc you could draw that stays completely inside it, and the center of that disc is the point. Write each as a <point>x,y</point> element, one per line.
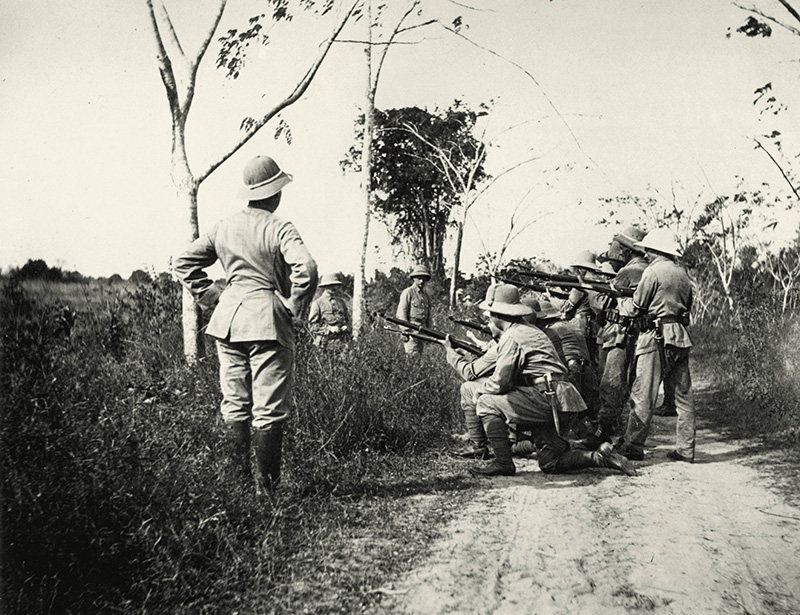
<point>598,287</point>
<point>418,336</point>
<point>558,277</point>
<point>431,335</point>
<point>539,288</point>
<point>469,324</point>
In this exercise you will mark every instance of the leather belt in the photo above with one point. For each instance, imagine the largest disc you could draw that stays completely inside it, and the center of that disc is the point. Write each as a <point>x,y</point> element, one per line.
<point>615,318</point>
<point>648,323</point>
<point>529,381</point>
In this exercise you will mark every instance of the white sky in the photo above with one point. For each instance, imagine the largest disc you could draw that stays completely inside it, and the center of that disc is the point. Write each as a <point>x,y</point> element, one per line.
<point>653,91</point>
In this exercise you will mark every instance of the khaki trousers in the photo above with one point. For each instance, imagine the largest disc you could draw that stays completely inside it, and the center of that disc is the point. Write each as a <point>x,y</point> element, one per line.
<point>256,381</point>
<point>645,391</point>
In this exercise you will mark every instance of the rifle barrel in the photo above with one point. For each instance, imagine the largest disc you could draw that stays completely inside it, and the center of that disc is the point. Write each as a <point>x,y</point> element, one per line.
<point>435,335</point>
<point>543,275</point>
<point>541,288</point>
<point>597,287</point>
<point>469,324</point>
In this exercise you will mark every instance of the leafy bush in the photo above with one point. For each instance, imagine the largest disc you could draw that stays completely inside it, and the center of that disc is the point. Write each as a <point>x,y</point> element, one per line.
<point>116,489</point>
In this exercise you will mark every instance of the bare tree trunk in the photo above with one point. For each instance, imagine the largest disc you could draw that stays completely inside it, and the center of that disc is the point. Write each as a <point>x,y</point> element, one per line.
<point>456,262</point>
<point>359,279</point>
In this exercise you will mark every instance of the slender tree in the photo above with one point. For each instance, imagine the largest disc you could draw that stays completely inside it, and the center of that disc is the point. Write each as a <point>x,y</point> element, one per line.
<point>178,69</point>
<point>383,31</point>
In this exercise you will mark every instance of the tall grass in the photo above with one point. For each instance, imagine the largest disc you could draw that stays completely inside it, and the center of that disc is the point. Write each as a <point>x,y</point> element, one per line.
<point>754,364</point>
<point>116,490</point>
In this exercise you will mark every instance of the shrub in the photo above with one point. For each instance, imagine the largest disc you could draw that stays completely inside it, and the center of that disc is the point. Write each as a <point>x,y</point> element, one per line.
<point>116,491</point>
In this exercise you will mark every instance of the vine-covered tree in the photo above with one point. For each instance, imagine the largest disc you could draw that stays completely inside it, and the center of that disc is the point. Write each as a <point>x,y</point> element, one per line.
<point>412,192</point>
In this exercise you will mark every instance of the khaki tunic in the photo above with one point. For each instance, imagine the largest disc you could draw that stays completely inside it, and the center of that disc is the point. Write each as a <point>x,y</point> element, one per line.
<point>269,278</point>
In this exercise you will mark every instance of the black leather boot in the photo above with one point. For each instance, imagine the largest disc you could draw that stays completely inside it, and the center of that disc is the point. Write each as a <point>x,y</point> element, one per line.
<point>578,460</point>
<point>497,434</point>
<point>268,444</point>
<point>237,436</point>
<point>616,461</point>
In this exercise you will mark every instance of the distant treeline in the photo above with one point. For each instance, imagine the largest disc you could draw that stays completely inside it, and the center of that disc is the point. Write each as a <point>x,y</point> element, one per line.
<point>38,269</point>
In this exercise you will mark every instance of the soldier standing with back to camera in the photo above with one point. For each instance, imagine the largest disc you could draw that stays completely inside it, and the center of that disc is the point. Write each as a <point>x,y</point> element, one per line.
<point>665,295</point>
<point>270,277</point>
<point>415,306</point>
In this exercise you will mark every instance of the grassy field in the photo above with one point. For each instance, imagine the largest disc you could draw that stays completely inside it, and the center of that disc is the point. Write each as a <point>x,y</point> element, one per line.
<point>116,492</point>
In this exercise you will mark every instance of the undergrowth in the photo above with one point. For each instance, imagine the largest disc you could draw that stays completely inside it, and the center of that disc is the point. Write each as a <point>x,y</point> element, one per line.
<point>116,491</point>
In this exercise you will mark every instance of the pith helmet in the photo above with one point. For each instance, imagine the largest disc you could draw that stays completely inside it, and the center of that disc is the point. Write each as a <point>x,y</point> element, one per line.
<point>630,236</point>
<point>504,299</point>
<point>607,267</point>
<point>547,311</point>
<point>330,279</point>
<point>660,240</point>
<point>421,271</point>
<point>586,260</point>
<point>263,178</point>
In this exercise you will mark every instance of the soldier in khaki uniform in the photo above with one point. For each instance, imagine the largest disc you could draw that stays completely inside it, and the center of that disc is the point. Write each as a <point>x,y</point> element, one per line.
<point>270,277</point>
<point>665,295</point>
<point>530,385</point>
<point>415,306</point>
<point>574,353</point>
<point>578,307</point>
<point>617,351</point>
<point>328,317</point>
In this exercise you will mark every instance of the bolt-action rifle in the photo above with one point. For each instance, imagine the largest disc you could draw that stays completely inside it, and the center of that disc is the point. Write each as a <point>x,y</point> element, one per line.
<point>431,335</point>
<point>470,324</point>
<point>598,287</point>
<point>540,288</point>
<point>557,277</point>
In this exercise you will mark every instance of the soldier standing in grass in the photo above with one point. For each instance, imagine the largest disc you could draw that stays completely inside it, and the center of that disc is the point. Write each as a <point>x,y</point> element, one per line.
<point>270,278</point>
<point>530,386</point>
<point>328,317</point>
<point>662,350</point>
<point>415,306</point>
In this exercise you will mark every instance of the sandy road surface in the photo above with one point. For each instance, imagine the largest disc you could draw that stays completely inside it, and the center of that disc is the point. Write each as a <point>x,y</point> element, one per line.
<point>697,539</point>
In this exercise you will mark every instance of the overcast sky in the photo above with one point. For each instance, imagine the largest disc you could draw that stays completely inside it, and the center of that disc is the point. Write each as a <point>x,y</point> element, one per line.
<point>647,92</point>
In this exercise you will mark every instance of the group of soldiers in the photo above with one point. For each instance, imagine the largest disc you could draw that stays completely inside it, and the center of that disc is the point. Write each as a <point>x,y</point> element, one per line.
<point>576,383</point>
<point>612,349</point>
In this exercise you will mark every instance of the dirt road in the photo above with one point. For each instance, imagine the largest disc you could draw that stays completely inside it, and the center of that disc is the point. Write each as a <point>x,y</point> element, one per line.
<point>698,539</point>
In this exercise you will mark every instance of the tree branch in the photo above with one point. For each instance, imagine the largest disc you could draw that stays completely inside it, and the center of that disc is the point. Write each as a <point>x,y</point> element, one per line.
<point>164,65</point>
<point>299,90</point>
<point>544,93</point>
<point>780,168</point>
<point>194,64</point>
<point>760,13</point>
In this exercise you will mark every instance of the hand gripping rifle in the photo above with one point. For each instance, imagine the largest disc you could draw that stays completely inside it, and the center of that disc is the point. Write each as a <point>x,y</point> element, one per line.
<point>539,288</point>
<point>431,335</point>
<point>470,324</point>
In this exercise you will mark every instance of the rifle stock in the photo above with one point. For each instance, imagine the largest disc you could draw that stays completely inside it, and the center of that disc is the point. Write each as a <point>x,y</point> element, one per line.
<point>431,335</point>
